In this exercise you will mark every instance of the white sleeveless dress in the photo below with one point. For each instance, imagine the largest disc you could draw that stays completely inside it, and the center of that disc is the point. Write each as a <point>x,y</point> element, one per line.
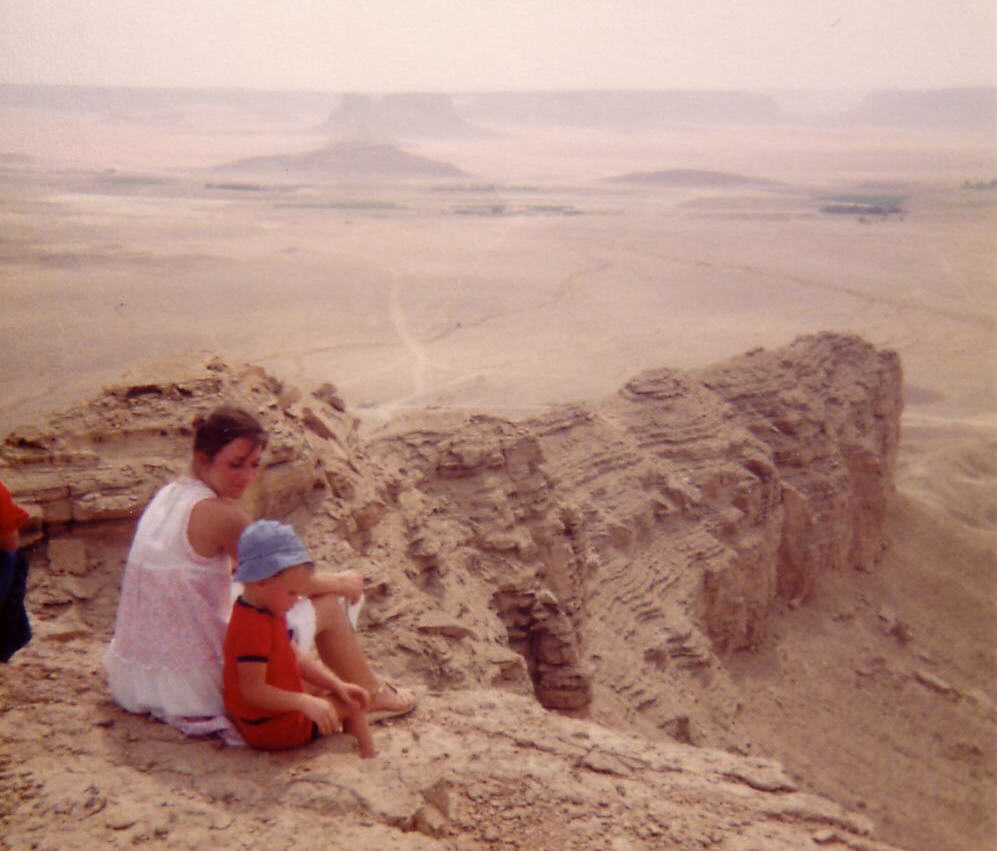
<point>165,657</point>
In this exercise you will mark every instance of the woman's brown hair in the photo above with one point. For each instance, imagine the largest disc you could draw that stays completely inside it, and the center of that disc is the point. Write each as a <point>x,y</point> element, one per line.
<point>212,433</point>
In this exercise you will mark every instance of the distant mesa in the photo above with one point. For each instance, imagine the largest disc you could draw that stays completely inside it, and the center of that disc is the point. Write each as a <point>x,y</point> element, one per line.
<point>112,100</point>
<point>699,178</point>
<point>10,160</point>
<point>965,109</point>
<point>398,116</point>
<point>979,184</point>
<point>630,109</point>
<point>207,117</point>
<point>346,159</point>
<point>453,115</point>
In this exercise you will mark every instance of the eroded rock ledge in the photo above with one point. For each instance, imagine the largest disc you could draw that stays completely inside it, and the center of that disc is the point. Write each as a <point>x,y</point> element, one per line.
<point>602,557</point>
<point>623,544</point>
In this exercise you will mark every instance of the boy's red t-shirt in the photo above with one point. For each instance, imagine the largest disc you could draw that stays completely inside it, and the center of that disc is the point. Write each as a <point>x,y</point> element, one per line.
<point>257,635</point>
<point>12,516</point>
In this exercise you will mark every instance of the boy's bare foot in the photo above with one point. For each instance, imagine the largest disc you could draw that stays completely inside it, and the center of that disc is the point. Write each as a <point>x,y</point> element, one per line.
<point>389,701</point>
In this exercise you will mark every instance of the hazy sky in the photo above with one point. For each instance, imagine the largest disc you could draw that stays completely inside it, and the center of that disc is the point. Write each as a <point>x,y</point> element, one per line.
<point>465,45</point>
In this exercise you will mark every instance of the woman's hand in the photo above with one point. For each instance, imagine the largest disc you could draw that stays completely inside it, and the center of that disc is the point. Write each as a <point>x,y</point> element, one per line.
<point>322,712</point>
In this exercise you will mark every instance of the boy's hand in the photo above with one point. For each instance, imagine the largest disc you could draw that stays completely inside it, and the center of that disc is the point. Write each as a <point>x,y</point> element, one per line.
<point>357,695</point>
<point>322,713</point>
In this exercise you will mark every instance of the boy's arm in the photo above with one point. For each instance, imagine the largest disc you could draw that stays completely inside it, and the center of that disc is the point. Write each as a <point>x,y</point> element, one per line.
<point>319,675</point>
<point>256,690</point>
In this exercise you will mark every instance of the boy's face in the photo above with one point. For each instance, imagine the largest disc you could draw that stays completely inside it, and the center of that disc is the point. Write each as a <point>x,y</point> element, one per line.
<point>280,592</point>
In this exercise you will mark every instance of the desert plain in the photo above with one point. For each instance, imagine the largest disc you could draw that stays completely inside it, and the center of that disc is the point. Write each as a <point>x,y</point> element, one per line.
<point>505,272</point>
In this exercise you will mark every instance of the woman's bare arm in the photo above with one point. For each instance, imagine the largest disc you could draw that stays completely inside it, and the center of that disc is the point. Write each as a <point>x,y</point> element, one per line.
<point>215,526</point>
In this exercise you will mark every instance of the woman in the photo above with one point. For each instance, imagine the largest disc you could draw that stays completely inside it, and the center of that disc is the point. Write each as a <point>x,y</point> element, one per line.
<point>166,654</point>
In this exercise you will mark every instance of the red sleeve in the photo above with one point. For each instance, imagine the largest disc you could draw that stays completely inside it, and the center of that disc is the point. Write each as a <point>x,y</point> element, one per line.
<point>12,516</point>
<point>250,638</point>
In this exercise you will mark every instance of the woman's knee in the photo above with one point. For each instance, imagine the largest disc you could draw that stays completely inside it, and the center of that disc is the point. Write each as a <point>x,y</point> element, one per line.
<point>329,614</point>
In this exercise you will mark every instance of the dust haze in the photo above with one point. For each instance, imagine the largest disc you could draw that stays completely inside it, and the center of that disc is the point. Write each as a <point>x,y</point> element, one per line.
<point>602,234</point>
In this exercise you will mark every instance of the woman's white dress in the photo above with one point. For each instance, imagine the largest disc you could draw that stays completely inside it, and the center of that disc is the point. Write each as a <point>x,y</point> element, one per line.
<point>166,654</point>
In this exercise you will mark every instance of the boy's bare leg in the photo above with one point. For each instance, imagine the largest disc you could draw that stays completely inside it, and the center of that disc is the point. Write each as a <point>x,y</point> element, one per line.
<point>355,723</point>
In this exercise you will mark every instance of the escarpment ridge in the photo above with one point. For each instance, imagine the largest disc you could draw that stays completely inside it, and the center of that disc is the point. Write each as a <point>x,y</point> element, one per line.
<point>603,559</point>
<point>658,526</point>
<point>684,505</point>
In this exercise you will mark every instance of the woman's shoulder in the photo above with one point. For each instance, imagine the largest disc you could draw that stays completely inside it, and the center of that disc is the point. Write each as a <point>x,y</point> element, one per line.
<point>213,509</point>
<point>184,491</point>
<point>215,524</point>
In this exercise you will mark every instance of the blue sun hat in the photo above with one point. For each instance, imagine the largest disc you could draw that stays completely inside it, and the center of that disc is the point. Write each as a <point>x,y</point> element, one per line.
<point>267,547</point>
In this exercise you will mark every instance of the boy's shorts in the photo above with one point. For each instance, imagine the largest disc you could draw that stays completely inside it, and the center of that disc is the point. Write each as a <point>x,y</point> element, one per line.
<point>278,732</point>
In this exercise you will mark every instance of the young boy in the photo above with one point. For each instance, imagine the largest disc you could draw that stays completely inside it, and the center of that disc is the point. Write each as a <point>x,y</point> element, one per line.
<point>265,673</point>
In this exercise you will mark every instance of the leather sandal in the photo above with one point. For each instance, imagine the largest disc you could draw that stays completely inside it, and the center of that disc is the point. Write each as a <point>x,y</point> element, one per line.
<point>402,701</point>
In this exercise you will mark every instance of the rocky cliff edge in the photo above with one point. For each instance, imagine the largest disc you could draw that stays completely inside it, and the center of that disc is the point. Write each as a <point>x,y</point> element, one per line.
<point>566,589</point>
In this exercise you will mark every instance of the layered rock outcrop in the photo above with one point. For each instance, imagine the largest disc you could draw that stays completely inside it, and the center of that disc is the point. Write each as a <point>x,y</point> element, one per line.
<point>603,556</point>
<point>828,409</point>
<point>625,545</point>
<point>602,559</point>
<point>86,474</point>
<point>102,460</point>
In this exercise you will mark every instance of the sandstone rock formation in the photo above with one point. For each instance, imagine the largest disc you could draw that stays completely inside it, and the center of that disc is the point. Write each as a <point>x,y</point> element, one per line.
<point>102,460</point>
<point>601,560</point>
<point>963,108</point>
<point>675,512</point>
<point>628,109</point>
<point>657,526</point>
<point>402,115</point>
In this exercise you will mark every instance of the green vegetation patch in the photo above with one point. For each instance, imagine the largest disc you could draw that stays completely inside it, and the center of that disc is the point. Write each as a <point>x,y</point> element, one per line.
<point>863,205</point>
<point>239,186</point>
<point>117,179</point>
<point>869,200</point>
<point>481,187</point>
<point>347,204</point>
<point>506,210</point>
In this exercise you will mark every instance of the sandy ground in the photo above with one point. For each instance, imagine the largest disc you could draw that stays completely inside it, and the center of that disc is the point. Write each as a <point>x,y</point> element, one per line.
<point>533,282</point>
<point>401,300</point>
